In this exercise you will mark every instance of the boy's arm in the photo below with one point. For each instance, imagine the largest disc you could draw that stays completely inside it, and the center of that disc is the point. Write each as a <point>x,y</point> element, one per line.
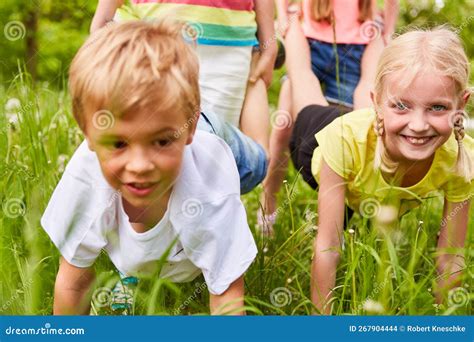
<point>231,301</point>
<point>265,13</point>
<point>450,258</point>
<point>71,291</point>
<point>104,13</point>
<point>328,241</point>
<point>390,14</point>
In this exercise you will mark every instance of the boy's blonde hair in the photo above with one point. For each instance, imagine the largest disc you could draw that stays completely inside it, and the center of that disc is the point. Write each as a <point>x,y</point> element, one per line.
<point>412,53</point>
<point>135,66</point>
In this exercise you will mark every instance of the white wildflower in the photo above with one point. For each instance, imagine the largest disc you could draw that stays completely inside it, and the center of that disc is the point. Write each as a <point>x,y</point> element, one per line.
<point>373,306</point>
<point>62,162</point>
<point>13,105</point>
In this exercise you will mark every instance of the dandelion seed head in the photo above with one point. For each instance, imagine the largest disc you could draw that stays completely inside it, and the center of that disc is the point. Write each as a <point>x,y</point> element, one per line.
<point>387,214</point>
<point>371,305</point>
<point>12,105</point>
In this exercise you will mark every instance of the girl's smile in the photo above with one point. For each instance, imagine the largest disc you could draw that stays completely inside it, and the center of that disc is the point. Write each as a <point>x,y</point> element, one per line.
<point>416,119</point>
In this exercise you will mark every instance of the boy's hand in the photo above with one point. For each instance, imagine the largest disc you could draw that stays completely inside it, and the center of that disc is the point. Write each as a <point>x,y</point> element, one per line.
<point>230,302</point>
<point>71,291</point>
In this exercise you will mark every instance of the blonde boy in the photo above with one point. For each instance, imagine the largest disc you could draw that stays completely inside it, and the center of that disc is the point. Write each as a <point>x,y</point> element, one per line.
<point>145,179</point>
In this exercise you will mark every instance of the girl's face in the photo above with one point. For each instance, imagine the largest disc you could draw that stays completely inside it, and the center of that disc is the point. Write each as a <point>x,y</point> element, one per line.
<point>417,117</point>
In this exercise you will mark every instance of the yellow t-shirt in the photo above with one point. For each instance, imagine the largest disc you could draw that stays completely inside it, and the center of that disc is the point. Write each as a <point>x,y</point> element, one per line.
<point>348,147</point>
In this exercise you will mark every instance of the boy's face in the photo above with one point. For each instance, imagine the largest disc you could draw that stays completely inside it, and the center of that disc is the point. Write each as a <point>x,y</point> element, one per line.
<point>140,153</point>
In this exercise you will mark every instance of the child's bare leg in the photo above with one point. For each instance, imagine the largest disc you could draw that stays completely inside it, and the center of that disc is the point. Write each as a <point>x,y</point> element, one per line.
<point>255,119</point>
<point>368,69</point>
<point>279,153</point>
<point>306,89</point>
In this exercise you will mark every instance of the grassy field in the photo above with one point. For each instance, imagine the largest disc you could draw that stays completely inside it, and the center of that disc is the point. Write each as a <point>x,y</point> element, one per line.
<point>391,274</point>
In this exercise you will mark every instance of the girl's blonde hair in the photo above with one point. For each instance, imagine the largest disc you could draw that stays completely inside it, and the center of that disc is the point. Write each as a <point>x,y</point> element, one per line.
<point>439,50</point>
<point>322,10</point>
<point>133,66</point>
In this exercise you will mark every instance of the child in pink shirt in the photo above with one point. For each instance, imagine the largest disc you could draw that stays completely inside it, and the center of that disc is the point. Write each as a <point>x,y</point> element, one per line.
<point>338,32</point>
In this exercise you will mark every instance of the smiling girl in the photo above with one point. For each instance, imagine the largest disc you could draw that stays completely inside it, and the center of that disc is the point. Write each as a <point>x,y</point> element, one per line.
<point>410,145</point>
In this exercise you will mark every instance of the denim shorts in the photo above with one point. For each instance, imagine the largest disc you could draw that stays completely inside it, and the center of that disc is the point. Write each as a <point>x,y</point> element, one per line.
<point>249,156</point>
<point>323,63</point>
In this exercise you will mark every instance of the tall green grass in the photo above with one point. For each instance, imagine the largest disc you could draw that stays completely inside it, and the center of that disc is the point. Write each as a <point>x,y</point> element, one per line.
<point>392,274</point>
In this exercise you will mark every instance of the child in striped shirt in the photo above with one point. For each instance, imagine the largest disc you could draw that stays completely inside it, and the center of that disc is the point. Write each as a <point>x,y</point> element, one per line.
<point>225,31</point>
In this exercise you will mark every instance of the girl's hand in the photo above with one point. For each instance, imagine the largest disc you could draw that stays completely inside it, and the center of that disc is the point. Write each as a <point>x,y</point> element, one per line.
<point>265,64</point>
<point>450,259</point>
<point>104,13</point>
<point>282,25</point>
<point>328,241</point>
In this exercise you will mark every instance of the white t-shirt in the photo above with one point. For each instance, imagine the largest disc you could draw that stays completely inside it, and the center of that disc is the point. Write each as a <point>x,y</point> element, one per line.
<point>205,225</point>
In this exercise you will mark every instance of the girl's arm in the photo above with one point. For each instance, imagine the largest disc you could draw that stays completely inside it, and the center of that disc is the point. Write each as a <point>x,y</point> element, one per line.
<point>104,13</point>
<point>282,7</point>
<point>390,14</point>
<point>328,241</point>
<point>231,301</point>
<point>450,258</point>
<point>265,13</point>
<point>72,289</point>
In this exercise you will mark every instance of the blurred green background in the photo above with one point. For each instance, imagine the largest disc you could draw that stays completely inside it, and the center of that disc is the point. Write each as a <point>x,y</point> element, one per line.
<point>45,34</point>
